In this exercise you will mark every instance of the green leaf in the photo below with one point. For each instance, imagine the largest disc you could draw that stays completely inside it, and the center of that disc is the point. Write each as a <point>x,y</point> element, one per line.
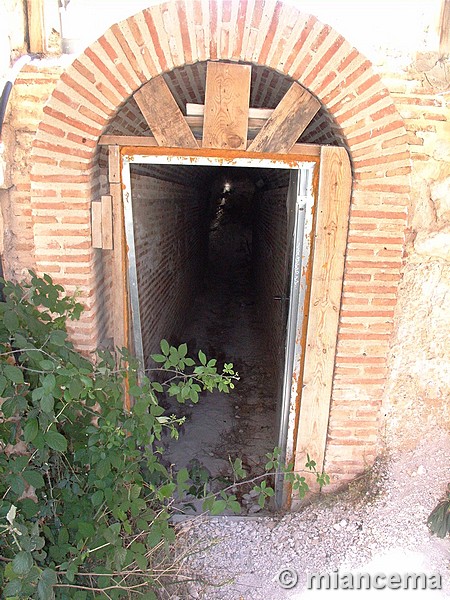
<point>149,596</point>
<point>97,498</point>
<point>37,394</point>
<point>19,463</point>
<point>157,386</point>
<point>167,490</point>
<point>3,383</point>
<point>182,476</point>
<point>17,484</point>
<point>75,388</point>
<point>165,348</point>
<point>49,383</point>
<point>45,586</point>
<point>47,365</point>
<point>13,588</point>
<point>55,440</point>
<point>58,337</point>
<point>21,342</point>
<point>47,403</point>
<point>86,529</point>
<point>202,357</point>
<point>63,537</point>
<point>218,507</point>
<point>182,350</point>
<point>33,478</point>
<point>22,563</point>
<point>141,561</point>
<point>154,536</point>
<point>30,430</point>
<point>159,358</point>
<point>13,373</point>
<point>11,321</point>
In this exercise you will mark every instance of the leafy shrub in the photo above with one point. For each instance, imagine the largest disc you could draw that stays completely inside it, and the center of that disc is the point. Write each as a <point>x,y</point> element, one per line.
<point>84,496</point>
<point>85,500</point>
<point>439,519</point>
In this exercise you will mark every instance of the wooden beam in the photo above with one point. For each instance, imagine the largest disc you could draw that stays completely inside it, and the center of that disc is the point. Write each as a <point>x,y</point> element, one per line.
<point>196,123</point>
<point>36,26</point>
<point>444,28</point>
<point>138,141</point>
<point>143,141</point>
<point>335,183</point>
<point>163,115</point>
<point>198,110</point>
<point>120,303</point>
<point>114,164</point>
<point>107,223</point>
<point>227,100</point>
<point>287,122</point>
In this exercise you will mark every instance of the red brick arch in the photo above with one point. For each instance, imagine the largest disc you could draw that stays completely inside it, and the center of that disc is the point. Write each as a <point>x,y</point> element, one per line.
<point>162,37</point>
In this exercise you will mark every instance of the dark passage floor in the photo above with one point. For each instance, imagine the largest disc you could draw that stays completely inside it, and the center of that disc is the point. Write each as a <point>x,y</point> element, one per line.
<point>225,324</point>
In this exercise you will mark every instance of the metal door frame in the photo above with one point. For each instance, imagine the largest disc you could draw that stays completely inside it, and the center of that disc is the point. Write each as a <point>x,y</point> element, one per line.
<point>300,246</point>
<point>300,267</point>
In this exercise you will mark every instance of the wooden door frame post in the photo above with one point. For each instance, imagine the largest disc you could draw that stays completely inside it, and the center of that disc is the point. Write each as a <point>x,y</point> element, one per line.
<point>120,302</point>
<point>333,209</point>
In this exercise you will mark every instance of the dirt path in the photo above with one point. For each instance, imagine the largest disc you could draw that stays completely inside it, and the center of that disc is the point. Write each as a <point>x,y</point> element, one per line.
<point>225,325</point>
<point>378,526</point>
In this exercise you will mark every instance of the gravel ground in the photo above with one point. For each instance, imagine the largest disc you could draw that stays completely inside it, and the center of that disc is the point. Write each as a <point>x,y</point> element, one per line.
<point>376,526</point>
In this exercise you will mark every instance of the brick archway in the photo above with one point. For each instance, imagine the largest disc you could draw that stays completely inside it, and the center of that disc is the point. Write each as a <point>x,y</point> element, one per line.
<point>65,173</point>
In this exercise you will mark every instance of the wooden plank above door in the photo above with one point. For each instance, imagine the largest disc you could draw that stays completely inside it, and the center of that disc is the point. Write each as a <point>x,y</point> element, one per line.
<point>226,106</point>
<point>288,121</point>
<point>163,115</point>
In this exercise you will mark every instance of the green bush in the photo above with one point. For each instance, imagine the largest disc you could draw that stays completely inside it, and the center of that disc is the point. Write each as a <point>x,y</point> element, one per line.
<point>439,519</point>
<point>85,500</point>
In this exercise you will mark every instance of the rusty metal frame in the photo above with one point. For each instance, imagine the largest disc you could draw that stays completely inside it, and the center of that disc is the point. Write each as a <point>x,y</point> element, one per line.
<point>299,273</point>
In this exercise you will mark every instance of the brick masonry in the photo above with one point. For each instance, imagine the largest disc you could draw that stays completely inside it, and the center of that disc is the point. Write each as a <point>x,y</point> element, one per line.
<point>171,221</point>
<point>386,133</point>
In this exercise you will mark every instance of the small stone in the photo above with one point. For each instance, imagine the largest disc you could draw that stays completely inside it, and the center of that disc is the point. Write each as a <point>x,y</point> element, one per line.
<point>193,592</point>
<point>336,526</point>
<point>254,509</point>
<point>343,523</point>
<point>421,470</point>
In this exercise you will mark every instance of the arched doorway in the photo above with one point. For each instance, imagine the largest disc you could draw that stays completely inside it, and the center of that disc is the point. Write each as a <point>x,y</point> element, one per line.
<point>356,110</point>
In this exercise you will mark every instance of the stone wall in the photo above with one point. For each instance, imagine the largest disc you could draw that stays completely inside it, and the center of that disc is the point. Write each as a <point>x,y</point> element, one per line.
<point>417,391</point>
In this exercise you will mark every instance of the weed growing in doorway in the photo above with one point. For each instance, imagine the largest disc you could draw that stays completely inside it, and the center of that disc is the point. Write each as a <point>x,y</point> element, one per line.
<point>85,500</point>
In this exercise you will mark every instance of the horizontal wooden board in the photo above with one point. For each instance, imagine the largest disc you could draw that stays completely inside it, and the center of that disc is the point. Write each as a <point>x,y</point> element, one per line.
<point>140,141</point>
<point>198,110</point>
